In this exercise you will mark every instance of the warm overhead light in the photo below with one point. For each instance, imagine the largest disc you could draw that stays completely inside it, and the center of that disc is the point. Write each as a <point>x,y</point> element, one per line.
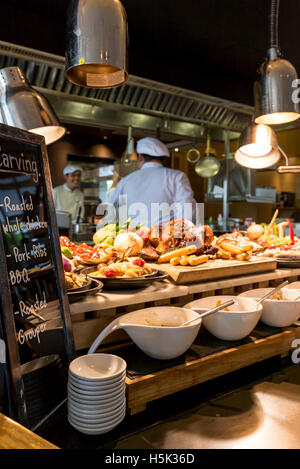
<point>273,91</point>
<point>253,152</point>
<point>25,108</point>
<point>176,149</point>
<point>97,43</point>
<point>258,147</point>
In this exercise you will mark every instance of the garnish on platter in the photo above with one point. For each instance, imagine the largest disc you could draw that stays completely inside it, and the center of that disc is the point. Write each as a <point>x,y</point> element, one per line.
<point>85,254</point>
<point>128,268</point>
<point>272,240</point>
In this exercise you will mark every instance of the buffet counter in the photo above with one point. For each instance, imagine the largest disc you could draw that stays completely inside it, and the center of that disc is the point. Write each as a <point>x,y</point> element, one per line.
<point>94,313</point>
<point>15,436</point>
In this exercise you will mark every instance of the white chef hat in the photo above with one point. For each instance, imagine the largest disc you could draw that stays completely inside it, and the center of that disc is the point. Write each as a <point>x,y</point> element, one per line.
<point>152,147</point>
<point>71,168</point>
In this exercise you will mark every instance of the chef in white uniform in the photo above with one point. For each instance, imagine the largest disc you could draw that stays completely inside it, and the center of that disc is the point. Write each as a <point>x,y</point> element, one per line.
<point>69,197</point>
<point>154,194</point>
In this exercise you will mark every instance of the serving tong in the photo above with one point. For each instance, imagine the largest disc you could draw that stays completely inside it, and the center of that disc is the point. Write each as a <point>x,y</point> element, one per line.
<point>125,254</point>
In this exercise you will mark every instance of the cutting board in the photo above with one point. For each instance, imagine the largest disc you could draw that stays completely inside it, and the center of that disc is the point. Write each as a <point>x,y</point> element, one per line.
<point>218,268</point>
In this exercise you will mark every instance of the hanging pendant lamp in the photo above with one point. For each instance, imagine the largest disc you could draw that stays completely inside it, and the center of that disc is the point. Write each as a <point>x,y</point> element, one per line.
<point>25,108</point>
<point>97,43</point>
<point>258,147</point>
<point>273,90</point>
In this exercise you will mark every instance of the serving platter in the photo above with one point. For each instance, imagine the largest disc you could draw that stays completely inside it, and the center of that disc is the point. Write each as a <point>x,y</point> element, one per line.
<point>127,283</point>
<point>288,261</point>
<point>218,268</point>
<point>95,286</point>
<point>83,288</point>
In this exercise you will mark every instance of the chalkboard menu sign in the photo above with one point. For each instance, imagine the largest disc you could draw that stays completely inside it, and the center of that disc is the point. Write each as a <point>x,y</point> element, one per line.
<point>34,307</point>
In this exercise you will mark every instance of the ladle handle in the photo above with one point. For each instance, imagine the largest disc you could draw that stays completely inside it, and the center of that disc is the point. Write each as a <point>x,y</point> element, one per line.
<point>113,326</point>
<point>211,311</point>
<point>270,293</point>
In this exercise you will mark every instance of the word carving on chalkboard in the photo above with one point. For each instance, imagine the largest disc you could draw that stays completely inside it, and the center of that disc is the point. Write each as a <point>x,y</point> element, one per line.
<point>19,165</point>
<point>34,308</point>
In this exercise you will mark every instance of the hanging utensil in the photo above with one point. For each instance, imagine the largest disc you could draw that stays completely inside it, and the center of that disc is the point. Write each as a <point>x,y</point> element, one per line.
<point>126,159</point>
<point>208,166</point>
<point>193,155</point>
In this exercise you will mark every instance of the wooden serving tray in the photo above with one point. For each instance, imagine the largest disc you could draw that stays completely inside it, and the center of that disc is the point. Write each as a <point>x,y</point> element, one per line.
<point>218,268</point>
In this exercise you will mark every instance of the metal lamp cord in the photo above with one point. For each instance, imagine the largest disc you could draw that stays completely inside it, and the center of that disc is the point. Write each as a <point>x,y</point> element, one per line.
<point>274,24</point>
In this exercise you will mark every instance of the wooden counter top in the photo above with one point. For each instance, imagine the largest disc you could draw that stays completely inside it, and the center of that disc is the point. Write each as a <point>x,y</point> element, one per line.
<point>165,289</point>
<point>14,436</point>
<point>94,313</point>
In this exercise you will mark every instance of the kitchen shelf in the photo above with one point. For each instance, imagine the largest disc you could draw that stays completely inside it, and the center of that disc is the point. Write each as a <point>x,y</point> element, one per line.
<point>245,200</point>
<point>97,180</point>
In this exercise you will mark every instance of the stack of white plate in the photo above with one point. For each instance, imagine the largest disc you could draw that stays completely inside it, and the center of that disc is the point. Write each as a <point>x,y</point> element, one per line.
<point>96,393</point>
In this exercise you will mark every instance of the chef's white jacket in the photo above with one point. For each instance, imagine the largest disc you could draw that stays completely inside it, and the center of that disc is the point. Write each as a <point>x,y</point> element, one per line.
<point>67,200</point>
<point>154,195</point>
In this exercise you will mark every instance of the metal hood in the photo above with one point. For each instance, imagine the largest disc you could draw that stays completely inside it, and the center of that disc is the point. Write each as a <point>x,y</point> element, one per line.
<point>144,104</point>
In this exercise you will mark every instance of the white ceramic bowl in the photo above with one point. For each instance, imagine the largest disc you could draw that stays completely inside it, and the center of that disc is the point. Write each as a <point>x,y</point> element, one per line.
<point>156,331</point>
<point>107,425</point>
<point>97,419</point>
<point>100,407</point>
<point>97,389</point>
<point>276,313</point>
<point>235,324</point>
<point>291,291</point>
<point>92,385</point>
<point>96,430</point>
<point>83,393</point>
<point>102,367</point>
<point>73,394</point>
<point>92,410</point>
<point>102,401</point>
<point>110,392</point>
<point>99,424</point>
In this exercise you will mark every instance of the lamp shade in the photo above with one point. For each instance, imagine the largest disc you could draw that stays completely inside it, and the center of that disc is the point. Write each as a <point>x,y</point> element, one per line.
<point>258,147</point>
<point>273,91</point>
<point>97,43</point>
<point>25,108</point>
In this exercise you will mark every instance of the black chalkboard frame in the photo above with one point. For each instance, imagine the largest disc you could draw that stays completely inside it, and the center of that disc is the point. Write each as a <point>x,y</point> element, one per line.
<point>13,359</point>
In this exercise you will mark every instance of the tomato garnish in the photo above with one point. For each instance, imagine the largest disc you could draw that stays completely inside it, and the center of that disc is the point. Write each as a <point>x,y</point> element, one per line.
<point>110,273</point>
<point>139,262</point>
